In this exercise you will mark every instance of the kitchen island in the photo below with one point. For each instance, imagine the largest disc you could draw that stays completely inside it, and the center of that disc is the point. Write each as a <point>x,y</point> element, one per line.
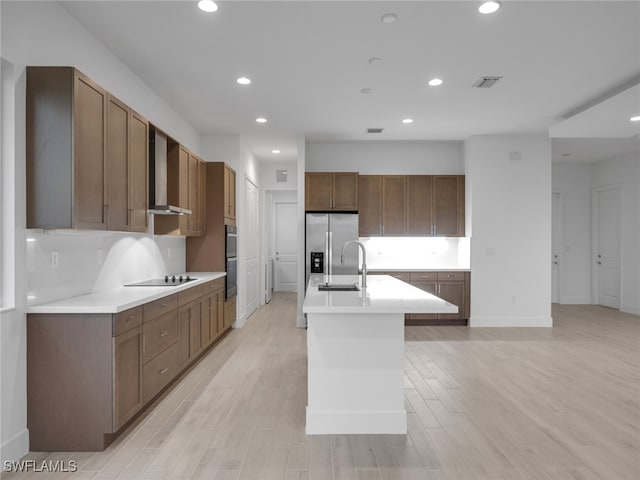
<point>355,347</point>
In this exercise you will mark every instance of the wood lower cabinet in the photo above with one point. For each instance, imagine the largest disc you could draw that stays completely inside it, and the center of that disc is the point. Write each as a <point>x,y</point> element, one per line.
<point>331,191</point>
<point>229,312</point>
<point>452,286</point>
<point>89,375</point>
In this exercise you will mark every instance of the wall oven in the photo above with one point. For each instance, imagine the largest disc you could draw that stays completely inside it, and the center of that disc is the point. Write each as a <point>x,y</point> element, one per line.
<point>231,261</point>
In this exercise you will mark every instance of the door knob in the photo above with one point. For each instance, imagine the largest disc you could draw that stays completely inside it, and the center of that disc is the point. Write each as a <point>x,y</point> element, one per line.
<point>555,263</point>
<point>599,262</point>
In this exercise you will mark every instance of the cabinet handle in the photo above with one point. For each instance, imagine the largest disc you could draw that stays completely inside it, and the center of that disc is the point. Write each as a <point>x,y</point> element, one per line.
<point>131,317</point>
<point>423,276</point>
<point>163,333</point>
<point>163,371</point>
<point>450,275</point>
<point>163,305</point>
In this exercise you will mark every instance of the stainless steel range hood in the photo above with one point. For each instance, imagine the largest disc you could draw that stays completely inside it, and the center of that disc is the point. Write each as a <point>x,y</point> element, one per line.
<point>158,177</point>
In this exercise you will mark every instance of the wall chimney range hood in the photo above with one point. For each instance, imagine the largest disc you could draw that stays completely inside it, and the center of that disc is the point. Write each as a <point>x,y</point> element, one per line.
<point>158,177</point>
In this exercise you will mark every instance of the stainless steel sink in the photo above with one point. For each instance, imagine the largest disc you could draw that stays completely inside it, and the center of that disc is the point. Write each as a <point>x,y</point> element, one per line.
<point>338,287</point>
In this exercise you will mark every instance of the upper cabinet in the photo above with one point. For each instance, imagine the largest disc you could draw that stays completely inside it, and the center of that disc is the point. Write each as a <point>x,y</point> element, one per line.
<point>229,195</point>
<point>184,170</point>
<point>413,205</point>
<point>331,191</point>
<point>86,155</point>
<point>66,150</point>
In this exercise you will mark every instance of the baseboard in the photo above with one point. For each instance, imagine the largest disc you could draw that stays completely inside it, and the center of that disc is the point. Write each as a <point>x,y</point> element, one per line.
<point>511,322</point>
<point>577,300</point>
<point>301,322</point>
<point>15,448</point>
<point>239,323</point>
<point>633,309</point>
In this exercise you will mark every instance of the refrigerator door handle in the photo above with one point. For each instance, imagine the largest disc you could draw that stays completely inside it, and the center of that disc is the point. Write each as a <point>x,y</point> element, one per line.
<point>327,263</point>
<point>330,253</point>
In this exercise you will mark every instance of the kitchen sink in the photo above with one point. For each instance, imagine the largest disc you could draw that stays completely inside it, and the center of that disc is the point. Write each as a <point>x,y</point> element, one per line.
<point>338,287</point>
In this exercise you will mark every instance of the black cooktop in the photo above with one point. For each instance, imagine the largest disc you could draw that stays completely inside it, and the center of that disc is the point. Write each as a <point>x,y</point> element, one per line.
<point>167,281</point>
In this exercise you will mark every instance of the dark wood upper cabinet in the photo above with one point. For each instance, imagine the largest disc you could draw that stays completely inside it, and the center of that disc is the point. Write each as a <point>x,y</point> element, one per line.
<point>414,205</point>
<point>329,191</point>
<point>229,194</point>
<point>86,155</point>
<point>394,204</point>
<point>448,205</point>
<point>370,205</point>
<point>419,205</point>
<point>66,149</point>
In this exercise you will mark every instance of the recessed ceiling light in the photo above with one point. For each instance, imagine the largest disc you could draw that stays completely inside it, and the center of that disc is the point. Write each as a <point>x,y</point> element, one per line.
<point>208,6</point>
<point>275,151</point>
<point>489,7</point>
<point>434,82</point>
<point>407,120</point>
<point>366,91</point>
<point>243,81</point>
<point>635,119</point>
<point>375,60</point>
<point>261,120</point>
<point>388,18</point>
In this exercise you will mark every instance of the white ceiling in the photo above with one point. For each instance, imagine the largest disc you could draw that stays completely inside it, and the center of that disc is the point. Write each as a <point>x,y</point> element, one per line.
<point>309,61</point>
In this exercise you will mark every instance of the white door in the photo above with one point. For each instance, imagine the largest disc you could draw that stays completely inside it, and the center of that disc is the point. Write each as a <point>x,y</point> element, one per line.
<point>286,247</point>
<point>251,239</point>
<point>556,245</point>
<point>607,246</point>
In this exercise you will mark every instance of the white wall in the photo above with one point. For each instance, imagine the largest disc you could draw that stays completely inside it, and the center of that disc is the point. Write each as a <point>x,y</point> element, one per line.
<point>511,224</point>
<point>42,33</point>
<point>625,172</point>
<point>301,162</point>
<point>382,157</point>
<point>573,183</point>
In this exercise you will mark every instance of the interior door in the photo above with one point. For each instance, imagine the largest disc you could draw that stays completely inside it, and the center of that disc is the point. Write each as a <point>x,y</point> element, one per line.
<point>251,239</point>
<point>607,248</point>
<point>286,247</point>
<point>556,243</point>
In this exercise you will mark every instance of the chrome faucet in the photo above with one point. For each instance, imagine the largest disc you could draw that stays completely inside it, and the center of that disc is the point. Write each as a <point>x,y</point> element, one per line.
<point>364,259</point>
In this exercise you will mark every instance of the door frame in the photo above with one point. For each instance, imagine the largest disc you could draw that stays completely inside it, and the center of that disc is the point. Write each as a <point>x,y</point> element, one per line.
<point>560,239</point>
<point>259,271</point>
<point>595,280</point>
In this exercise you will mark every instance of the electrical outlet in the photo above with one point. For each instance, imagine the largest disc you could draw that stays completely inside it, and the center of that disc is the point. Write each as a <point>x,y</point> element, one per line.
<point>55,260</point>
<point>100,256</point>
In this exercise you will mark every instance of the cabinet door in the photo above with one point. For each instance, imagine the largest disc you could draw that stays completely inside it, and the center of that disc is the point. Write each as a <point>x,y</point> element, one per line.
<point>229,312</point>
<point>117,165</point>
<point>344,190</point>
<point>202,195</point>
<point>127,376</point>
<point>184,336</point>
<point>370,205</point>
<point>193,220</point>
<point>89,188</point>
<point>448,211</point>
<point>221,312</point>
<point>205,323</point>
<point>394,201</point>
<point>419,205</point>
<point>427,286</point>
<point>138,173</point>
<point>453,292</point>
<point>317,192</point>
<point>195,329</point>
<point>232,194</point>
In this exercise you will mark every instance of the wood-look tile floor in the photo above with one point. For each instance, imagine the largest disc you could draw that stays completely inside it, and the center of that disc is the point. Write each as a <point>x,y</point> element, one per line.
<point>482,403</point>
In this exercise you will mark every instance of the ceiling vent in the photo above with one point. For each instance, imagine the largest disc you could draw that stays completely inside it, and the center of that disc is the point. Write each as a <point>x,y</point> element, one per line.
<point>486,82</point>
<point>374,130</point>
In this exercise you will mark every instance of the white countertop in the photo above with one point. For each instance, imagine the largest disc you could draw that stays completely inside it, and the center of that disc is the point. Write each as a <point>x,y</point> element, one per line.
<point>118,299</point>
<point>384,294</point>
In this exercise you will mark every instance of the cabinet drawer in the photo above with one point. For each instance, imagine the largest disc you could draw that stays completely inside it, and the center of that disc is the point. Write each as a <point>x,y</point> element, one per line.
<point>189,295</point>
<point>451,276</point>
<point>159,307</point>
<point>126,320</point>
<point>159,334</point>
<point>215,285</point>
<point>423,276</point>
<point>159,372</point>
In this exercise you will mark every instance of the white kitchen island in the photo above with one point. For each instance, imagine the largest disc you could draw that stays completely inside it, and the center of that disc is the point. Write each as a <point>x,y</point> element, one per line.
<point>355,348</point>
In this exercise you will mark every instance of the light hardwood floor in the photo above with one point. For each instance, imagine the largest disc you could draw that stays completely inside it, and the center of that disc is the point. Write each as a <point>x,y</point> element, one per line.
<point>483,404</point>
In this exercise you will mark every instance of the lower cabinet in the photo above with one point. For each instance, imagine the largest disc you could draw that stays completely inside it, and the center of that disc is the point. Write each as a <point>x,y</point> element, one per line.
<point>88,375</point>
<point>454,287</point>
<point>229,312</point>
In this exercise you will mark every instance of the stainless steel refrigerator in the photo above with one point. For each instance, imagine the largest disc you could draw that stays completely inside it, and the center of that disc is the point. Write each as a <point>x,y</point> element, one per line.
<point>326,233</point>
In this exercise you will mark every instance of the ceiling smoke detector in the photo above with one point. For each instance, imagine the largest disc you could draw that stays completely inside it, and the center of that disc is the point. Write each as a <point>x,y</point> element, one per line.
<point>374,130</point>
<point>486,82</point>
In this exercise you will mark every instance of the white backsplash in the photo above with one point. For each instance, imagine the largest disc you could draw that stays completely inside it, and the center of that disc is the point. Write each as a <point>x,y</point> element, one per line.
<point>89,261</point>
<point>415,253</point>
